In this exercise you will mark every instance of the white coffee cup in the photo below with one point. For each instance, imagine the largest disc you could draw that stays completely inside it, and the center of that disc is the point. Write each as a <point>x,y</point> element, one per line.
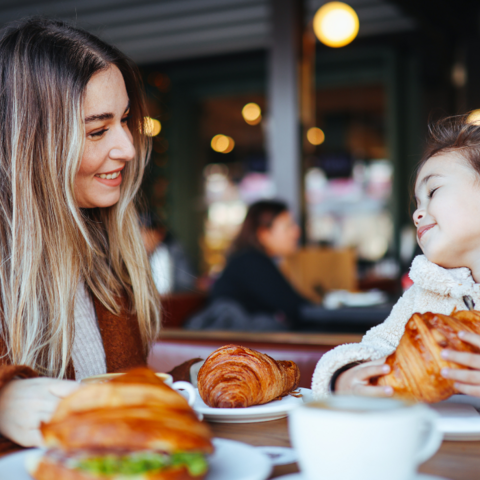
<point>185,388</point>
<point>188,389</point>
<point>361,438</point>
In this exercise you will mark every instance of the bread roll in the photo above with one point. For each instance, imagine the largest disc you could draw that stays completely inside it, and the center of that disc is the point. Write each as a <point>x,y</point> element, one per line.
<point>133,427</point>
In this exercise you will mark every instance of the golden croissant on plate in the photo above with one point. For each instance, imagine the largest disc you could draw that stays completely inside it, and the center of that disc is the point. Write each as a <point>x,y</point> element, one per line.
<point>237,377</point>
<point>416,364</point>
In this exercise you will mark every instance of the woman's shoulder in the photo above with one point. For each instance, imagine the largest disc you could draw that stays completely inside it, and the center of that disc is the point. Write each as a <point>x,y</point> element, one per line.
<point>247,257</point>
<point>241,264</point>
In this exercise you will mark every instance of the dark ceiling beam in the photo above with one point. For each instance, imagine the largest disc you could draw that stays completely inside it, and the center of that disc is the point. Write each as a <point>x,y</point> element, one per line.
<point>443,18</point>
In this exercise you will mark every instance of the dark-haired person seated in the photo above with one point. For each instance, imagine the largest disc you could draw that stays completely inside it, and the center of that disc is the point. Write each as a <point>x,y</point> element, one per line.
<point>251,293</point>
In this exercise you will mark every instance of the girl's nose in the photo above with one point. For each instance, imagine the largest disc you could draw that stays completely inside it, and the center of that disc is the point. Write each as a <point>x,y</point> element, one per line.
<point>417,216</point>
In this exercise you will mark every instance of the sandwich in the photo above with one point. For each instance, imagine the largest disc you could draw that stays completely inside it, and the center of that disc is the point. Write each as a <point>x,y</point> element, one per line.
<point>133,427</point>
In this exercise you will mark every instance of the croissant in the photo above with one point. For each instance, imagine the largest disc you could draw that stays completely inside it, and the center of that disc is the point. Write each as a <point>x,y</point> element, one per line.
<point>238,377</point>
<point>416,364</point>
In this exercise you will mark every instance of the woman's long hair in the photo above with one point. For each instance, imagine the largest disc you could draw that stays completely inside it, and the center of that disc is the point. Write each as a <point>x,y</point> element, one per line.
<point>47,242</point>
<point>260,214</point>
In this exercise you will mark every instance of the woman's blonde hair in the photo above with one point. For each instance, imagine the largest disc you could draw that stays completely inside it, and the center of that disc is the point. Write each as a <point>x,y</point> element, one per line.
<point>47,242</point>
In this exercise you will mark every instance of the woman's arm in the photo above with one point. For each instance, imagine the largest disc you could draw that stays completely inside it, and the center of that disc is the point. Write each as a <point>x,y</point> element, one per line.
<point>25,403</point>
<point>25,400</point>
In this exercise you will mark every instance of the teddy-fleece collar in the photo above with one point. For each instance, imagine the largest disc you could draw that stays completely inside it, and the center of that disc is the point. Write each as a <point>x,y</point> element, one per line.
<point>455,282</point>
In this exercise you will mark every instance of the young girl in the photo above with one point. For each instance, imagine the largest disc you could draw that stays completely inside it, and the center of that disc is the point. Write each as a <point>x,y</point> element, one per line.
<point>76,294</point>
<point>447,193</point>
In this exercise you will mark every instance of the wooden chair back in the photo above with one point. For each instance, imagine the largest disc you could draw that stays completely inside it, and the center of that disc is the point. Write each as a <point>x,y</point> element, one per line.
<point>315,269</point>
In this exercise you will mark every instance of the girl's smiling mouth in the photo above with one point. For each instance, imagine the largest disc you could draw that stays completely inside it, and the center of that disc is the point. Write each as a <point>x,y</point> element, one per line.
<point>422,230</point>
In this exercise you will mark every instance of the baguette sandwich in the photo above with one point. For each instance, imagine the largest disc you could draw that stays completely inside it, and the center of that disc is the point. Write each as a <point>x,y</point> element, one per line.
<point>133,427</point>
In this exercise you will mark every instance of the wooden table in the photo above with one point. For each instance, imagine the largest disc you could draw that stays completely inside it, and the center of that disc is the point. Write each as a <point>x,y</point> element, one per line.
<point>280,338</point>
<point>454,460</point>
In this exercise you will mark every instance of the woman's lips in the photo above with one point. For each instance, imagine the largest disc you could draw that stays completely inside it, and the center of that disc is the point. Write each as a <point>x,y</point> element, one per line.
<point>422,230</point>
<point>111,182</point>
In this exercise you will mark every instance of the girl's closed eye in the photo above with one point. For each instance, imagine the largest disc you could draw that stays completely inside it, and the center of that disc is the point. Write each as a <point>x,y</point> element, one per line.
<point>431,192</point>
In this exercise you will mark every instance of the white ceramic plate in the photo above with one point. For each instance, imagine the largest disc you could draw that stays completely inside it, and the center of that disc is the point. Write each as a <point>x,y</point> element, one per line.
<point>258,413</point>
<point>459,417</point>
<point>231,460</point>
<point>418,476</point>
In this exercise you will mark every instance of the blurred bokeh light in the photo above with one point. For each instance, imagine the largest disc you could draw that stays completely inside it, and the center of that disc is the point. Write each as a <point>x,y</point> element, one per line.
<point>336,24</point>
<point>315,136</point>
<point>222,143</point>
<point>252,113</point>
<point>474,117</point>
<point>152,127</point>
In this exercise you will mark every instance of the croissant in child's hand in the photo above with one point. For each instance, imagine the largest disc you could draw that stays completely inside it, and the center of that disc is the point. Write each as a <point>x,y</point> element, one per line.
<point>236,377</point>
<point>417,363</point>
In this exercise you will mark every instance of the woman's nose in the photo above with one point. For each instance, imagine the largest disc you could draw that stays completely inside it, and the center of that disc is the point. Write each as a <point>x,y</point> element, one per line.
<point>123,148</point>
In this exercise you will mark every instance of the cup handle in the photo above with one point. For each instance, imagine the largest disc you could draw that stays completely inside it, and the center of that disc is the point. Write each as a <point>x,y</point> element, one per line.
<point>188,388</point>
<point>433,437</point>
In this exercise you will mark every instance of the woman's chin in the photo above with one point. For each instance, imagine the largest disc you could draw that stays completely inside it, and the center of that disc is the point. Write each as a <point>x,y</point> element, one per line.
<point>103,201</point>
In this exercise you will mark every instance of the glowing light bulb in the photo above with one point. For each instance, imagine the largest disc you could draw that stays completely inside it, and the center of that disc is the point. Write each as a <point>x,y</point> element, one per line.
<point>474,117</point>
<point>252,113</point>
<point>222,143</point>
<point>152,127</point>
<point>336,24</point>
<point>315,136</point>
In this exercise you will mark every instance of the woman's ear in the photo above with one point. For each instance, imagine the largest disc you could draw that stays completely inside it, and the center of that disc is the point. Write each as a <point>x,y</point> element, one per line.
<point>262,235</point>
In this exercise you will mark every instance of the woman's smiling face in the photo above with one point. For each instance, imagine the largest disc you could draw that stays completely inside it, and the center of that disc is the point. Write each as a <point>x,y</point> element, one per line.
<point>447,192</point>
<point>108,143</point>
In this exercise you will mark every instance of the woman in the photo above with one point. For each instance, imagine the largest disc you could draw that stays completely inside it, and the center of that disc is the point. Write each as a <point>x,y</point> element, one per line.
<point>251,293</point>
<point>76,294</point>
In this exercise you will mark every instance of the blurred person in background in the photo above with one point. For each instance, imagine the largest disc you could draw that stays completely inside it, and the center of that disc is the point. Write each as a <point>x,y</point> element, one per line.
<point>251,293</point>
<point>171,269</point>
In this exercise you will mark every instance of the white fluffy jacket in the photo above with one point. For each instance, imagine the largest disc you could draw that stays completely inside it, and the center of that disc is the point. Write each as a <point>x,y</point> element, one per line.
<point>435,289</point>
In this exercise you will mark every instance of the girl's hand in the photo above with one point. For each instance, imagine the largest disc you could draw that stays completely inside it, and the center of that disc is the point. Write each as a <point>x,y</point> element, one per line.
<point>356,380</point>
<point>26,403</point>
<point>466,381</point>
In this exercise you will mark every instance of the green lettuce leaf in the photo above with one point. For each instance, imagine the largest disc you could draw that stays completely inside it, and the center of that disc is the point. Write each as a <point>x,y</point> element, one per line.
<point>142,462</point>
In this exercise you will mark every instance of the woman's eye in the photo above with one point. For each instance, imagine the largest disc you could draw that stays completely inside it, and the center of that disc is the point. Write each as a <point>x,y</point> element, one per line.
<point>126,119</point>
<point>430,195</point>
<point>99,133</point>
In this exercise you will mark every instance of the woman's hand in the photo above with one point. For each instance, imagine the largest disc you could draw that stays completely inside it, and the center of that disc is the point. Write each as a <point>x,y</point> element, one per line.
<point>26,403</point>
<point>356,380</point>
<point>466,381</point>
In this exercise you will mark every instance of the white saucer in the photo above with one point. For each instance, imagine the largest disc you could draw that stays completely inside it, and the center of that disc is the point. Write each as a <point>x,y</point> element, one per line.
<point>258,413</point>
<point>459,418</point>
<point>231,460</point>
<point>418,476</point>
